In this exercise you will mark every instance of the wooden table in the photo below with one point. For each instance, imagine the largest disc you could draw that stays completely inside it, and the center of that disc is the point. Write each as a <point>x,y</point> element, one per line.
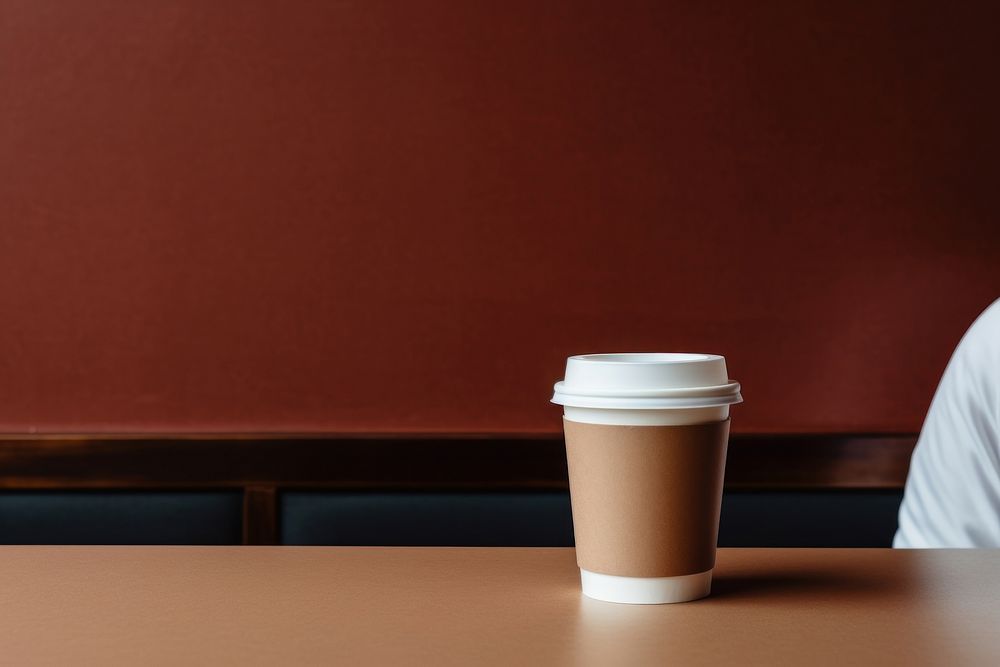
<point>318,605</point>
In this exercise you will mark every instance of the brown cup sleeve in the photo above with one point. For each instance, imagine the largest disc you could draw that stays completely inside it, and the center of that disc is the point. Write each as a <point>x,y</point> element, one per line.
<point>646,499</point>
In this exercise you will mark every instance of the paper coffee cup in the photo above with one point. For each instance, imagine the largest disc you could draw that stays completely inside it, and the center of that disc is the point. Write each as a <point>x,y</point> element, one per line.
<point>646,440</point>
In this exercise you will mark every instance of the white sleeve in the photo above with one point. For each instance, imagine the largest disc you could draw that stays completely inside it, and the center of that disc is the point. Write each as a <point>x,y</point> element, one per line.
<point>952,496</point>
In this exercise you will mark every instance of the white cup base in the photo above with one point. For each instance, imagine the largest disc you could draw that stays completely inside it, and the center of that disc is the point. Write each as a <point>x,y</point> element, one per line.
<point>645,590</point>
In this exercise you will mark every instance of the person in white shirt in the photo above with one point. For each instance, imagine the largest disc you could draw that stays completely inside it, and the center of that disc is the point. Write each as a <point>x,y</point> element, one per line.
<point>952,496</point>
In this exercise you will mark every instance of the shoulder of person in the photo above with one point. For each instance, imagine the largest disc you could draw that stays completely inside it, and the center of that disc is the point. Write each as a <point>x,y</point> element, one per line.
<point>983,337</point>
<point>976,362</point>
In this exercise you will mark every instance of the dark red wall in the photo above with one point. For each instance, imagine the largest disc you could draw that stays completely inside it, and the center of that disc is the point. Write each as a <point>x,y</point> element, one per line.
<point>329,216</point>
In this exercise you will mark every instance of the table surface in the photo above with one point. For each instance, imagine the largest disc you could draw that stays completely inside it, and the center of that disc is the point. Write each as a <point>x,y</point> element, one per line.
<point>359,605</point>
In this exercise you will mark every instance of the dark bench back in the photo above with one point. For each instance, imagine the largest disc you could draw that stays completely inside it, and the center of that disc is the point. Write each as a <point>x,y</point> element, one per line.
<point>456,490</point>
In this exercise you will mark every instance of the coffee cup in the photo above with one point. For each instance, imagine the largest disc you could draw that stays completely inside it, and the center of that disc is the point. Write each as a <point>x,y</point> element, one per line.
<point>646,440</point>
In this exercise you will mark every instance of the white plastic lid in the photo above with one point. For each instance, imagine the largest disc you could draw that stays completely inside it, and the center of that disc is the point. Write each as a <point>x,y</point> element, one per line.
<point>646,381</point>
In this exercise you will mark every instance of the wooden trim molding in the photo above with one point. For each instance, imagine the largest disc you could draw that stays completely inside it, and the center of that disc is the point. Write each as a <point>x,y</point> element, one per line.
<point>320,461</point>
<point>406,462</point>
<point>262,465</point>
